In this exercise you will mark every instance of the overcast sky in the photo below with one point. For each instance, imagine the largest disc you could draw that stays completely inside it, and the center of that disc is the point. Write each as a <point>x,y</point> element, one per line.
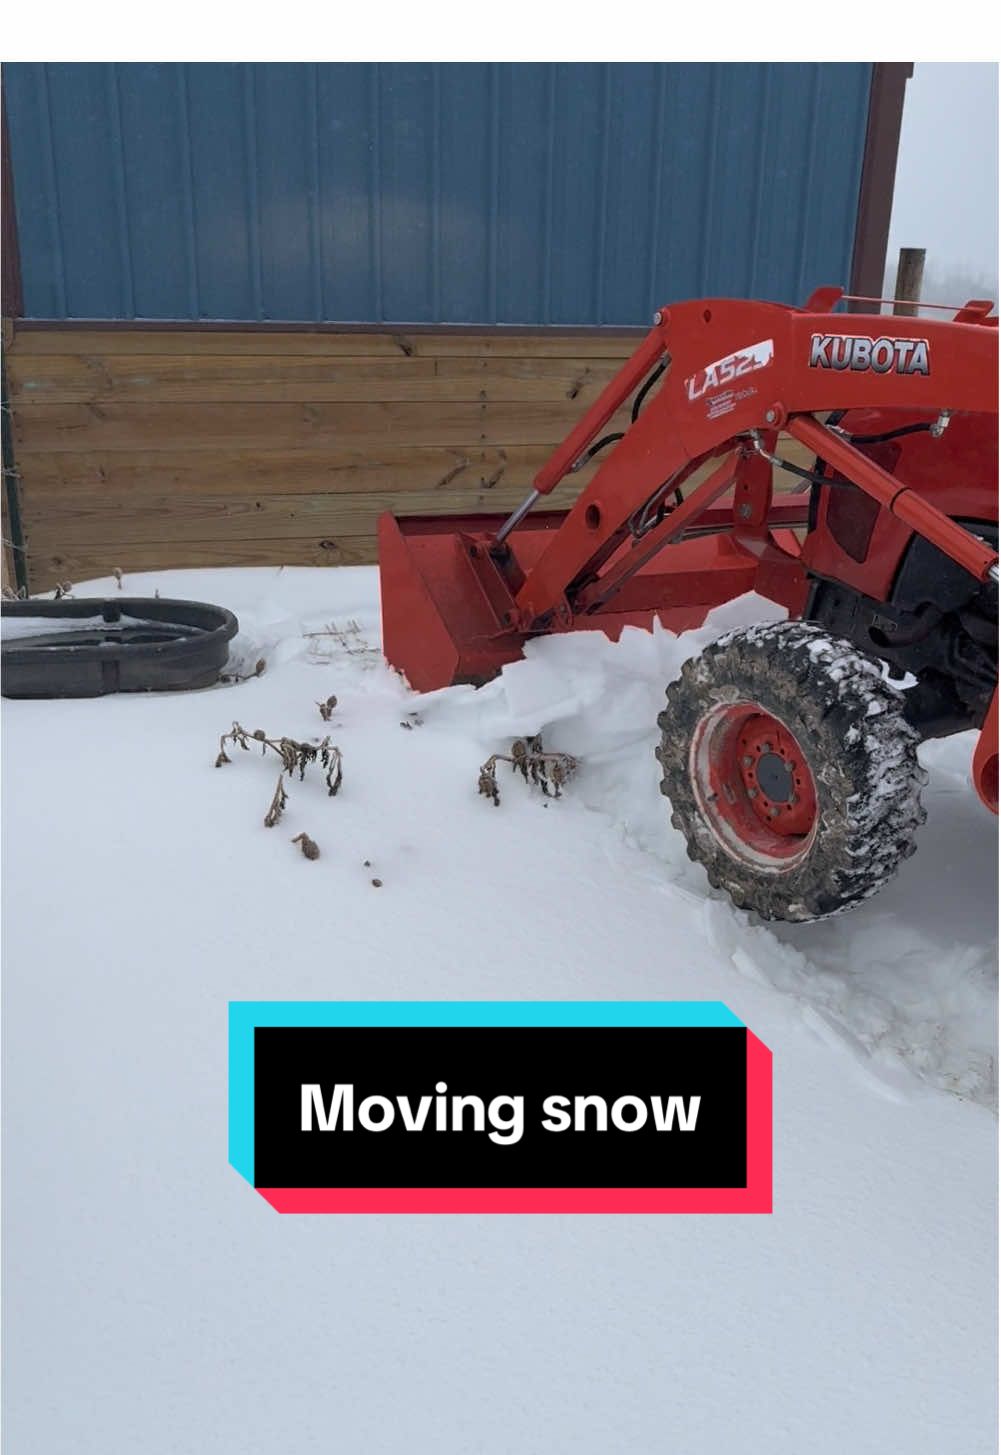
<point>946,196</point>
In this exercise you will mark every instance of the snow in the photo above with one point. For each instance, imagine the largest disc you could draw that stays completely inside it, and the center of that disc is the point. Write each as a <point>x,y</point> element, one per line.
<point>155,1304</point>
<point>15,627</point>
<point>21,628</point>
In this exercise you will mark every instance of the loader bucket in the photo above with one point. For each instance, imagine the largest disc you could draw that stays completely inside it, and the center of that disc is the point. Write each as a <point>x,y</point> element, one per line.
<point>442,617</point>
<point>437,626</point>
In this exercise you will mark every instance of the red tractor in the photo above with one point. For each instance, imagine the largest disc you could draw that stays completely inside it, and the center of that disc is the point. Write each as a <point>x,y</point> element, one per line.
<point>788,749</point>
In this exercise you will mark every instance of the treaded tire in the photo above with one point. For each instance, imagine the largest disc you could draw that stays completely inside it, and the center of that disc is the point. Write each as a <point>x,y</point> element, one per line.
<point>848,724</point>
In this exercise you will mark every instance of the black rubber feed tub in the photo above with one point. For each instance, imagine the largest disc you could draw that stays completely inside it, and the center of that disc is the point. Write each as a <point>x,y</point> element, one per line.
<point>87,648</point>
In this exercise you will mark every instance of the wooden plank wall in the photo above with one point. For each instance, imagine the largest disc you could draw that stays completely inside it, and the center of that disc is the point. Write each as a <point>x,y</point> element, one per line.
<point>146,449</point>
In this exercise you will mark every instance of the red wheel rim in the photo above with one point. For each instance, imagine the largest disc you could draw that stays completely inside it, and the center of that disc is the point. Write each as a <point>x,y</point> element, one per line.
<point>753,786</point>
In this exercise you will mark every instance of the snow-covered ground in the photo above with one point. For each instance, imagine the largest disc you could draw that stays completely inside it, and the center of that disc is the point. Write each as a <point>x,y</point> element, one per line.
<point>155,1304</point>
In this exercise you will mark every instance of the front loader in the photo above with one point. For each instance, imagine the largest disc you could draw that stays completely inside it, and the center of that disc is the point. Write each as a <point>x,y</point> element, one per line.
<point>788,749</point>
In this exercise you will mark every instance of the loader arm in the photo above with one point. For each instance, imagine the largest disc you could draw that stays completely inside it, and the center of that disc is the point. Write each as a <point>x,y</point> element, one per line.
<point>738,373</point>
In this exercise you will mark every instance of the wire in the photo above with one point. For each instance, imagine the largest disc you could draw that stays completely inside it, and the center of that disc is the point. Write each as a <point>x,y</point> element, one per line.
<point>810,476</point>
<point>611,439</point>
<point>608,439</point>
<point>645,390</point>
<point>891,434</point>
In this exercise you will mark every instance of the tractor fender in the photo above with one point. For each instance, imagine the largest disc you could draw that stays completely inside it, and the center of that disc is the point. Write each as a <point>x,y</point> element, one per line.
<point>985,758</point>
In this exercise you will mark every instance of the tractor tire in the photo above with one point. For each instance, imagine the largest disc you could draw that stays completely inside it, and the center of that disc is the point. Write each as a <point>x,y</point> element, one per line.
<point>791,770</point>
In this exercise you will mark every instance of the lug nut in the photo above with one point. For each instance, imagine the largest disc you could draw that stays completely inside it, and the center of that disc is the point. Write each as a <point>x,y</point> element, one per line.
<point>747,760</point>
<point>752,793</point>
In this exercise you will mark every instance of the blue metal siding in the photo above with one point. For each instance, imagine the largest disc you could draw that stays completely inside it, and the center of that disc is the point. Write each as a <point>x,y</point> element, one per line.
<point>519,194</point>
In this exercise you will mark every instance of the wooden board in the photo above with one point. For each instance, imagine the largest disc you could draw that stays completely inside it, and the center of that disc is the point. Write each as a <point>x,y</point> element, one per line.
<point>92,520</point>
<point>358,343</point>
<point>273,378</point>
<point>86,563</point>
<point>405,469</point>
<point>159,428</point>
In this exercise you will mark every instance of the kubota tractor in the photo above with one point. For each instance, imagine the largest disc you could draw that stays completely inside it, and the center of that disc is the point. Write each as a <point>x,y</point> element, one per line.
<point>788,749</point>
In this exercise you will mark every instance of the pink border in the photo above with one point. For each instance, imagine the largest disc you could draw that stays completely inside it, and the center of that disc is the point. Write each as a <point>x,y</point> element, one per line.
<point>756,1197</point>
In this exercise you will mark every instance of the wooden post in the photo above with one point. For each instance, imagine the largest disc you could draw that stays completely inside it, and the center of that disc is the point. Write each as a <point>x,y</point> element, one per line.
<point>910,271</point>
<point>879,166</point>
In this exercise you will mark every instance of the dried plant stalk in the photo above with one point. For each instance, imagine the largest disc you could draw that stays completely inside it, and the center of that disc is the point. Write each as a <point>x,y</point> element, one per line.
<point>294,756</point>
<point>259,667</point>
<point>278,803</point>
<point>334,640</point>
<point>548,771</point>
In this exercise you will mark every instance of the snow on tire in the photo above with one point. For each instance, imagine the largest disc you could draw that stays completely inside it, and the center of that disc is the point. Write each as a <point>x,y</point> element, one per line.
<point>791,770</point>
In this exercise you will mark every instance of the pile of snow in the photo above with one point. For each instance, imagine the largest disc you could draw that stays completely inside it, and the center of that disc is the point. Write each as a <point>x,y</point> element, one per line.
<point>154,1303</point>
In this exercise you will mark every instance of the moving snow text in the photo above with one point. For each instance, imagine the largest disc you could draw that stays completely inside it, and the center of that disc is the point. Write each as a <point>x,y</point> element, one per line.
<point>504,1115</point>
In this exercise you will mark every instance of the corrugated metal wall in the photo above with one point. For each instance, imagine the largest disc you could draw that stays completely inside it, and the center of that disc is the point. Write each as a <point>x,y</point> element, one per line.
<point>517,194</point>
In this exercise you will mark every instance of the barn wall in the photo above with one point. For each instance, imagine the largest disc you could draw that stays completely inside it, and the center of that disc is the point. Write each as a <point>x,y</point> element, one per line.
<point>522,194</point>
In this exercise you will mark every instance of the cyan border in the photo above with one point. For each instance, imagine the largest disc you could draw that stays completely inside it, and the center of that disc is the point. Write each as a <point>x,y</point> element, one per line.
<point>246,1015</point>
